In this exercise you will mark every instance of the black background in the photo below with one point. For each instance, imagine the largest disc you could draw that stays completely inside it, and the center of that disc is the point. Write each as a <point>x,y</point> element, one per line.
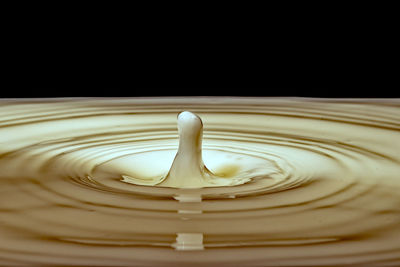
<point>122,80</point>
<point>245,52</point>
<point>59,73</point>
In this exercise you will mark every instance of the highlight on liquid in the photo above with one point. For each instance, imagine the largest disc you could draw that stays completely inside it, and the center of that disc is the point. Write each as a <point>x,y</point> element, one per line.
<point>187,169</point>
<point>177,181</point>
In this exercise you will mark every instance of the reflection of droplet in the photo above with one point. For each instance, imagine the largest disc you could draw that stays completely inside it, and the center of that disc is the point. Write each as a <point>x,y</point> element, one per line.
<point>189,241</point>
<point>188,197</point>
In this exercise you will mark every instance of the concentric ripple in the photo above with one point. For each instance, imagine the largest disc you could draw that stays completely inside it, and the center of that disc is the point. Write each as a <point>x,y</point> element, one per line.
<point>323,188</point>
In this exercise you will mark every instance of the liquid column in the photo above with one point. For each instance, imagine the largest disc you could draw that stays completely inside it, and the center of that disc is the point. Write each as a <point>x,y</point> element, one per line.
<point>188,169</point>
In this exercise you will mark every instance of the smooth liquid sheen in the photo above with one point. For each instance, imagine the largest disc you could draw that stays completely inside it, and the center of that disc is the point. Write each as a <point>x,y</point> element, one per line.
<point>188,169</point>
<point>284,181</point>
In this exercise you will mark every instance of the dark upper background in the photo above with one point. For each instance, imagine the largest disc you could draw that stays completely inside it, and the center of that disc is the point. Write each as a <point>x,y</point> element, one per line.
<point>307,79</point>
<point>67,86</point>
<point>76,73</point>
<point>348,53</point>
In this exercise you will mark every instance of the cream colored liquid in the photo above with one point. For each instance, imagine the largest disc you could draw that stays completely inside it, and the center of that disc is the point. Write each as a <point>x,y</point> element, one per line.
<point>277,181</point>
<point>188,169</point>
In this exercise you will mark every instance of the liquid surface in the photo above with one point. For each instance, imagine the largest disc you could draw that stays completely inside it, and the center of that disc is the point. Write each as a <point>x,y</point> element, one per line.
<point>306,182</point>
<point>188,169</point>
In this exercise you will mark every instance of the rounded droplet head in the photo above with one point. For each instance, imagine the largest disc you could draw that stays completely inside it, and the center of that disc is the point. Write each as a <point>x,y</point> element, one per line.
<point>188,169</point>
<point>189,123</point>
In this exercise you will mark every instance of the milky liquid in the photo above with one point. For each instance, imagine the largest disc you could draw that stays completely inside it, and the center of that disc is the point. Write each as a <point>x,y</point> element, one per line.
<point>188,169</point>
<point>287,181</point>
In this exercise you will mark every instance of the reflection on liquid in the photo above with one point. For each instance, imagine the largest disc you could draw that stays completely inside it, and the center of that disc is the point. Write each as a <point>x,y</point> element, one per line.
<point>81,183</point>
<point>188,169</point>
